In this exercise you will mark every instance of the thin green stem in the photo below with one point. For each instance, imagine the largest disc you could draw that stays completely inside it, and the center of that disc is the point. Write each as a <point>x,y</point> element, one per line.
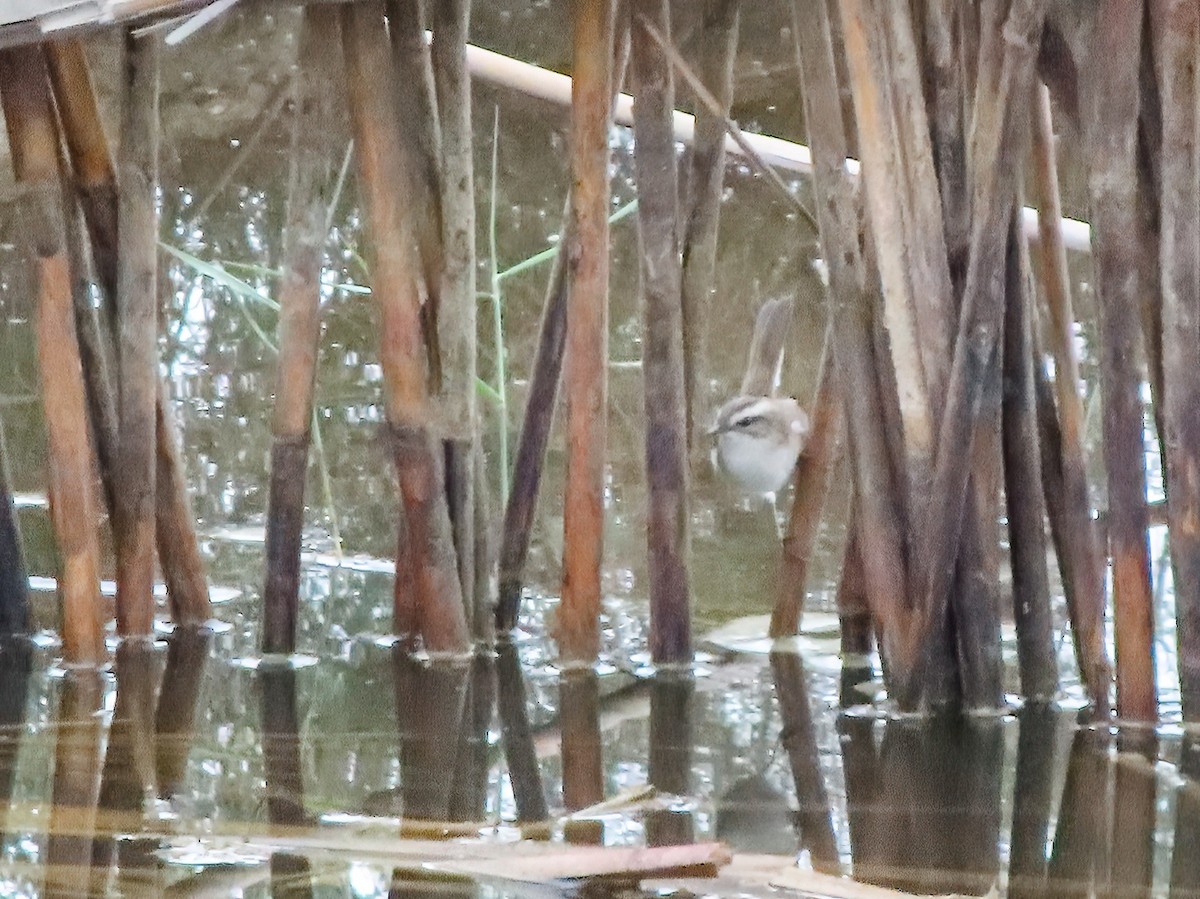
<point>326,485</point>
<point>498,317</point>
<point>549,253</point>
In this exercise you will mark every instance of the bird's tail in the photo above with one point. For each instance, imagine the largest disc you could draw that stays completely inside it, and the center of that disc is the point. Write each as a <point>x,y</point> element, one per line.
<point>766,348</point>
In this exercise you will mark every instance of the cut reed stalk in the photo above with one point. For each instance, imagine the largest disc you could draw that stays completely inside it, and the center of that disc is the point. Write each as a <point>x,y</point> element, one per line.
<point>577,628</point>
<point>95,179</point>
<point>540,404</point>
<point>456,321</point>
<point>420,153</point>
<point>1176,29</point>
<point>426,560</point>
<point>1079,554</point>
<point>662,352</point>
<point>809,492</point>
<point>137,338</point>
<point>91,160</point>
<point>1022,485</point>
<point>880,527</point>
<point>33,139</point>
<point>1110,107</point>
<point>705,185</point>
<point>311,178</point>
<point>999,137</point>
<point>881,143</point>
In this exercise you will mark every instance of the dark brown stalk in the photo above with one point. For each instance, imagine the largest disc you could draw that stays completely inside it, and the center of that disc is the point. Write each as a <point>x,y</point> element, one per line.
<point>810,489</point>
<point>880,527</point>
<point>854,618</point>
<point>663,363</point>
<point>999,137</point>
<point>705,183</point>
<point>1033,801</point>
<point>1176,26</point>
<point>137,338</point>
<point>178,549</point>
<point>1110,115</point>
<point>1022,484</point>
<point>577,628</point>
<point>947,108</point>
<point>1076,547</point>
<point>531,445</point>
<point>456,337</point>
<point>425,559</point>
<point>539,406</point>
<point>312,159</point>
<point>33,140</point>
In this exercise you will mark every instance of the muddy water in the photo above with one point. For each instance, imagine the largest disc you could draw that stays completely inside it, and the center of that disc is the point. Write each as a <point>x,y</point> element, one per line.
<point>143,778</point>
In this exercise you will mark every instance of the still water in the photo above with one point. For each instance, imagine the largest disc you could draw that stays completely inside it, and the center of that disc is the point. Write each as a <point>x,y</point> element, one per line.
<point>144,778</point>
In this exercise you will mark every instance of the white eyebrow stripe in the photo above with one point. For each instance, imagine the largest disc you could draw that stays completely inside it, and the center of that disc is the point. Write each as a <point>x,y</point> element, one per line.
<point>755,409</point>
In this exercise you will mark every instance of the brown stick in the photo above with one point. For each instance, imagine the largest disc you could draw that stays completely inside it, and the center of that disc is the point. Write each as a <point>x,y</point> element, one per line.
<point>137,338</point>
<point>880,144</point>
<point>998,140</point>
<point>880,524</point>
<point>456,337</point>
<point>312,159</point>
<point>705,183</point>
<point>425,557</point>
<point>663,361</point>
<point>420,152</point>
<point>178,549</point>
<point>95,177</point>
<point>1110,106</point>
<point>577,628</point>
<point>91,160</point>
<point>1076,548</point>
<point>1022,485</point>
<point>539,406</point>
<point>34,141</point>
<point>810,489</point>
<point>1176,26</point>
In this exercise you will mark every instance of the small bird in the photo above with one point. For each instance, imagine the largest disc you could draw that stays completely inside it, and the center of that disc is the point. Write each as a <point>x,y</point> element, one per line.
<point>758,435</point>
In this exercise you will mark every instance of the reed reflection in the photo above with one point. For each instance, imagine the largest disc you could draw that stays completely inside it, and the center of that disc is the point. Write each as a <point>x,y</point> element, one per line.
<point>925,804</point>
<point>127,781</point>
<point>175,721</point>
<point>1034,800</point>
<point>516,736</point>
<point>76,787</point>
<point>16,661</point>
<point>813,817</point>
<point>582,753</point>
<point>290,873</point>
<point>671,732</point>
<point>431,700</point>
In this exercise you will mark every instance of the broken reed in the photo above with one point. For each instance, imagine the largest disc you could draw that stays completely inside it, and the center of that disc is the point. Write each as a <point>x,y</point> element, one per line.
<point>942,124</point>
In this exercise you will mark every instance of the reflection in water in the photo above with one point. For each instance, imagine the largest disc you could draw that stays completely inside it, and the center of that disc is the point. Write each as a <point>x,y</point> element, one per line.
<point>16,659</point>
<point>290,873</point>
<point>524,773</point>
<point>582,751</point>
<point>175,722</point>
<point>76,789</point>
<point>670,769</point>
<point>431,705</point>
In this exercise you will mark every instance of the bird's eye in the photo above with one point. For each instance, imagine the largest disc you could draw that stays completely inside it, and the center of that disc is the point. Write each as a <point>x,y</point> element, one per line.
<point>746,421</point>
